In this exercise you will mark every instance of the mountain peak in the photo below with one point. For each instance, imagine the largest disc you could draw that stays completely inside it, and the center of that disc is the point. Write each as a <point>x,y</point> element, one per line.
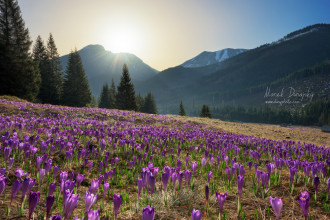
<point>207,58</point>
<point>96,47</point>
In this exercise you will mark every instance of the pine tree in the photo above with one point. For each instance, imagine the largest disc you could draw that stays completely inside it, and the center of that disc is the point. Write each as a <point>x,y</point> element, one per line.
<point>125,98</point>
<point>40,57</point>
<point>140,102</point>
<point>205,112</point>
<point>76,90</point>
<point>104,97</point>
<point>55,72</point>
<point>149,105</point>
<point>182,111</point>
<point>19,75</point>
<point>112,95</point>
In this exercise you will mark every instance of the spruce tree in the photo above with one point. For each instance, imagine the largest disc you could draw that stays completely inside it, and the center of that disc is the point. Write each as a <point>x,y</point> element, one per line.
<point>112,95</point>
<point>104,97</point>
<point>19,75</point>
<point>125,98</point>
<point>55,72</point>
<point>76,91</point>
<point>140,102</point>
<point>149,104</point>
<point>205,112</point>
<point>182,111</point>
<point>40,57</point>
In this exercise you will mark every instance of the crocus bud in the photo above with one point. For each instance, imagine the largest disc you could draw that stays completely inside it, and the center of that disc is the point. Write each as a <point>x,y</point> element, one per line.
<point>140,185</point>
<point>240,183</point>
<point>33,201</point>
<point>49,203</point>
<point>196,215</point>
<point>79,179</point>
<point>276,205</point>
<point>3,182</point>
<point>207,192</point>
<point>116,203</point>
<point>15,188</point>
<point>148,213</point>
<point>52,187</point>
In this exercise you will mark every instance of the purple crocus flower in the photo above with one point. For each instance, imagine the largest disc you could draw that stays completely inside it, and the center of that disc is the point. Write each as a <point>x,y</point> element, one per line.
<point>240,183</point>
<point>180,178</point>
<point>193,167</point>
<point>6,153</point>
<point>49,203</point>
<point>148,213</point>
<point>55,171</point>
<point>292,171</point>
<point>241,170</point>
<point>79,179</point>
<point>209,174</point>
<point>70,202</point>
<point>38,162</point>
<point>316,181</point>
<point>52,187</point>
<point>207,192</point>
<point>19,173</point>
<point>3,182</point>
<point>250,165</point>
<point>203,162</point>
<point>93,215</point>
<point>264,179</point>
<point>116,203</point>
<point>187,177</point>
<point>94,186</point>
<point>106,187</point>
<point>41,175</point>
<point>221,197</point>
<point>304,202</point>
<point>27,186</point>
<point>151,183</point>
<point>90,199</point>
<point>10,163</point>
<point>56,217</point>
<point>140,185</point>
<point>228,172</point>
<point>276,205</point>
<point>15,188</point>
<point>63,176</point>
<point>2,171</point>
<point>196,215</point>
<point>33,201</point>
<point>165,178</point>
<point>68,185</point>
<point>328,185</point>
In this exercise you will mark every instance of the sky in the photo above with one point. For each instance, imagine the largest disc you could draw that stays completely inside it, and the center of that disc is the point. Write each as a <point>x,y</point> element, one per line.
<point>165,33</point>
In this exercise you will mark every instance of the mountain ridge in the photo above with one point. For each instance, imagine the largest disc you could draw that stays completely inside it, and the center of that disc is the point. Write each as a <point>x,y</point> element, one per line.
<point>101,66</point>
<point>206,58</point>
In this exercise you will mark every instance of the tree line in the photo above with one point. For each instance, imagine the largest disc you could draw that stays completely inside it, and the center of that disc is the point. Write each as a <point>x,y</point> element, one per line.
<point>315,113</point>
<point>123,97</point>
<point>204,113</point>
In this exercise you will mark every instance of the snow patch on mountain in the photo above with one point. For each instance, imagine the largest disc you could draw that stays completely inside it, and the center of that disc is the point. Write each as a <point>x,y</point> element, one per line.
<point>207,58</point>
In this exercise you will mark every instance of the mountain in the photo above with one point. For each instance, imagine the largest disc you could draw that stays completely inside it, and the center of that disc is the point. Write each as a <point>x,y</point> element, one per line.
<point>207,58</point>
<point>102,66</point>
<point>244,78</point>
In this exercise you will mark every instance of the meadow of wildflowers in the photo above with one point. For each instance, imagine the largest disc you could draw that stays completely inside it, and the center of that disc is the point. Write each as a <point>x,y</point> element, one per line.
<point>88,163</point>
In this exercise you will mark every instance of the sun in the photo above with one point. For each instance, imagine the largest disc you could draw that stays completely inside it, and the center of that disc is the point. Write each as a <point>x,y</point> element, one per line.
<point>123,40</point>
